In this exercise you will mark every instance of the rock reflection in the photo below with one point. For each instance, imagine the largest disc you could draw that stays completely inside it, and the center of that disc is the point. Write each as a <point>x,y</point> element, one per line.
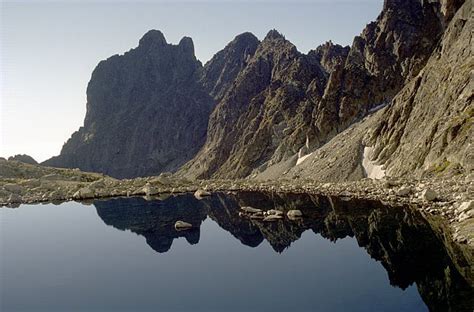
<point>154,219</point>
<point>399,238</point>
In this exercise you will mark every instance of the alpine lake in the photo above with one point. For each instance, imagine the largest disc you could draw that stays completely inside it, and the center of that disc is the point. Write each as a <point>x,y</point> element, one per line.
<point>124,254</point>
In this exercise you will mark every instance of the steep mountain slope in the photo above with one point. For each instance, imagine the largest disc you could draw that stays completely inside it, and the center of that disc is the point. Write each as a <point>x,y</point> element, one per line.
<point>220,72</point>
<point>427,129</point>
<point>285,104</point>
<point>441,99</point>
<point>382,59</point>
<point>268,101</point>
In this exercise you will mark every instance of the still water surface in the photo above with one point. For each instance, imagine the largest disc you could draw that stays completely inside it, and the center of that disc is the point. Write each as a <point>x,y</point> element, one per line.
<point>125,255</point>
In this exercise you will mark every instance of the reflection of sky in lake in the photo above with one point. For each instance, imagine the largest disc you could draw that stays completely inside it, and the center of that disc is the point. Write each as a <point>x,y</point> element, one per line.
<point>64,258</point>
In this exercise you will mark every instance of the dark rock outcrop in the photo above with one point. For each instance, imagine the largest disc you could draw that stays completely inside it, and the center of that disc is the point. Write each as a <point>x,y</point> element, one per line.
<point>146,112</point>
<point>27,159</point>
<point>220,72</point>
<point>331,55</point>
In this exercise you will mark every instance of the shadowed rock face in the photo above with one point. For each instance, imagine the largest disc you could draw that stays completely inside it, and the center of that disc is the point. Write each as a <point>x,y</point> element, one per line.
<point>220,72</point>
<point>399,238</point>
<point>146,112</point>
<point>27,159</point>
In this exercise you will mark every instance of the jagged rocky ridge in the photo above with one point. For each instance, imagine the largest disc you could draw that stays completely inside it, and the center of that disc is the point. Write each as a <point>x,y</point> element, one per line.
<point>302,101</point>
<point>256,108</point>
<point>426,130</point>
<point>27,159</point>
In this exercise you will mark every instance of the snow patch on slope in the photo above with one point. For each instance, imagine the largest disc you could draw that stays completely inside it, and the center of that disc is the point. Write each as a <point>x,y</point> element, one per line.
<point>378,107</point>
<point>303,158</point>
<point>372,170</point>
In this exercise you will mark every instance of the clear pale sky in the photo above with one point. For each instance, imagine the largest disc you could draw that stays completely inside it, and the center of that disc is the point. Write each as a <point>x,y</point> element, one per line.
<point>49,49</point>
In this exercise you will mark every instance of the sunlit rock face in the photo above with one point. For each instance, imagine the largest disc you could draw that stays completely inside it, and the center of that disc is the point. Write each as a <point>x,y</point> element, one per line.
<point>284,101</point>
<point>269,100</point>
<point>446,138</point>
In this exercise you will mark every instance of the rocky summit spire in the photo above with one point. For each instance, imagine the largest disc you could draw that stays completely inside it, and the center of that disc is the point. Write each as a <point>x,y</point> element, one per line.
<point>221,71</point>
<point>186,45</point>
<point>274,35</point>
<point>153,38</point>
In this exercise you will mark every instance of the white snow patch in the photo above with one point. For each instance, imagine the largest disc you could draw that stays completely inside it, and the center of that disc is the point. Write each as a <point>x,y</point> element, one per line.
<point>301,159</point>
<point>372,170</point>
<point>378,107</point>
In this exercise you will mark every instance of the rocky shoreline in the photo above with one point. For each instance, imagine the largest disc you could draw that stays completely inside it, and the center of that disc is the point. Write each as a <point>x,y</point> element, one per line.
<point>448,202</point>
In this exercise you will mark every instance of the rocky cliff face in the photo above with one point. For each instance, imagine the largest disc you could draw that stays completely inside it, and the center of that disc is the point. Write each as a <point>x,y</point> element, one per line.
<point>382,59</point>
<point>441,99</point>
<point>220,72</point>
<point>268,101</point>
<point>146,112</point>
<point>285,104</point>
<point>425,130</point>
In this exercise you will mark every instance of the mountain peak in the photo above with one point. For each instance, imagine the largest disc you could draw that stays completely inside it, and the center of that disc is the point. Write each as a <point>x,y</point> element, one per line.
<point>187,45</point>
<point>274,35</point>
<point>153,37</point>
<point>245,38</point>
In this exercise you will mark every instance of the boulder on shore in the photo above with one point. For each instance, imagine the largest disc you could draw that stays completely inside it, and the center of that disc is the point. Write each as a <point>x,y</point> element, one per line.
<point>272,218</point>
<point>274,212</point>
<point>404,191</point>
<point>248,209</point>
<point>294,214</point>
<point>199,194</point>
<point>181,225</point>
<point>149,190</point>
<point>83,193</point>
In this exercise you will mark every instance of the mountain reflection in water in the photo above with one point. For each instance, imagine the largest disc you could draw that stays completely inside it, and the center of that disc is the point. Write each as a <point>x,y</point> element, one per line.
<point>399,238</point>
